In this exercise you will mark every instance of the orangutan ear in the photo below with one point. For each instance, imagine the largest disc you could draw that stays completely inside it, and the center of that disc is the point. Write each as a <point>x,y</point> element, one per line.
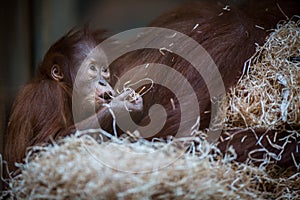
<point>56,73</point>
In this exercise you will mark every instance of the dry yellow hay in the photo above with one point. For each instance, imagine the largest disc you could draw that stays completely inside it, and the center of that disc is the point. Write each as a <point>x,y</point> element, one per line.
<point>268,93</point>
<point>84,168</point>
<point>81,168</point>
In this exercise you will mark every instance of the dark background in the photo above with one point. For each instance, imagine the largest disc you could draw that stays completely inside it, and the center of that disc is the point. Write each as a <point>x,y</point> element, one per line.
<point>29,27</point>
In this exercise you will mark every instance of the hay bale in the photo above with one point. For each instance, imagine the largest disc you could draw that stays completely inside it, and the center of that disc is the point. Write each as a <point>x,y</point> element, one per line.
<point>81,168</point>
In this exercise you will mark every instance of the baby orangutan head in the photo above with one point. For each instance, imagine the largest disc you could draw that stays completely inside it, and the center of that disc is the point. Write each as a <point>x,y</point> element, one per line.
<point>91,86</point>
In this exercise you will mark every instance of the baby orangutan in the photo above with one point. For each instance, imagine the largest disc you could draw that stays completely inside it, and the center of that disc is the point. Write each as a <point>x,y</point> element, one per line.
<point>70,72</point>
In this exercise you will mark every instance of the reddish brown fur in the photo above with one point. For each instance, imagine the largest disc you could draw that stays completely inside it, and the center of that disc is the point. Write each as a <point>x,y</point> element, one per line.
<point>230,40</point>
<point>43,108</point>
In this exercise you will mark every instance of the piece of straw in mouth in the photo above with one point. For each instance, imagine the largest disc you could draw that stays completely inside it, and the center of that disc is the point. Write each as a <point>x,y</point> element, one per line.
<point>135,95</point>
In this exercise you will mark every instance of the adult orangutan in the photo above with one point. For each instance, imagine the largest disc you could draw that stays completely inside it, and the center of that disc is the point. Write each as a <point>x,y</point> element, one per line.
<point>229,33</point>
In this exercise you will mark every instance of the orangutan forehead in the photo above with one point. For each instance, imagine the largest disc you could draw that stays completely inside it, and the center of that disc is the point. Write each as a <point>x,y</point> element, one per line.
<point>97,55</point>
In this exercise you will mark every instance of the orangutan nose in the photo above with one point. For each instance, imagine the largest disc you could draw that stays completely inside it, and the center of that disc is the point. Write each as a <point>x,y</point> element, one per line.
<point>102,82</point>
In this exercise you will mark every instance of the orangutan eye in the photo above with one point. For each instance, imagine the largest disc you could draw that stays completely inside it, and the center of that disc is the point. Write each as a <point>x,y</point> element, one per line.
<point>105,70</point>
<point>92,67</point>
